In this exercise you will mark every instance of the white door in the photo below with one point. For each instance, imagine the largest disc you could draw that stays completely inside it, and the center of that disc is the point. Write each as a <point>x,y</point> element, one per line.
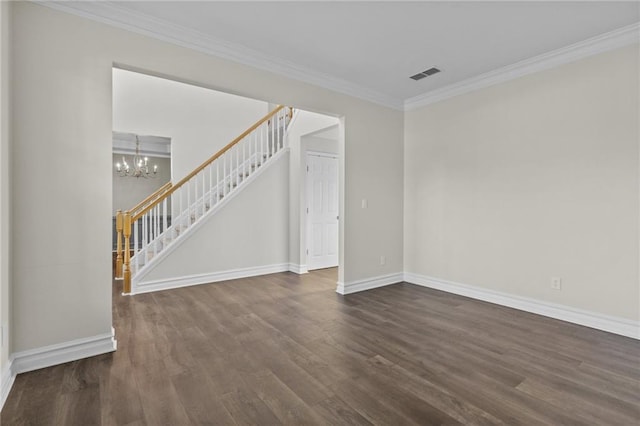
<point>322,211</point>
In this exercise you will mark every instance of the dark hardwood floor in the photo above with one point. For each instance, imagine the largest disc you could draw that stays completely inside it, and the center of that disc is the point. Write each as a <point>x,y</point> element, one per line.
<point>286,349</point>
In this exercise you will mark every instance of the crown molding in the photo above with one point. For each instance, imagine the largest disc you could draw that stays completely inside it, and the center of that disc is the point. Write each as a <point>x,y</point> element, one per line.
<point>108,13</point>
<point>111,14</point>
<point>608,41</point>
<point>152,146</point>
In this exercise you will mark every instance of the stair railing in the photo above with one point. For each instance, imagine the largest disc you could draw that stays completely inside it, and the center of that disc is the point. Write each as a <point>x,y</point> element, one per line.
<point>120,226</point>
<point>156,221</point>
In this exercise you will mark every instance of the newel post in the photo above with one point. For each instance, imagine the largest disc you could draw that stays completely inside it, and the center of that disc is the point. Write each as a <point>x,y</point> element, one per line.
<point>119,224</point>
<point>126,286</point>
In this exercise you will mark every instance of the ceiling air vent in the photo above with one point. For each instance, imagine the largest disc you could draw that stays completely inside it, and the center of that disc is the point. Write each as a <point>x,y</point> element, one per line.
<point>423,74</point>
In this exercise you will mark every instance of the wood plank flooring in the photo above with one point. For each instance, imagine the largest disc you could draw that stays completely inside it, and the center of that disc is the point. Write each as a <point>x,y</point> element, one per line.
<point>286,349</point>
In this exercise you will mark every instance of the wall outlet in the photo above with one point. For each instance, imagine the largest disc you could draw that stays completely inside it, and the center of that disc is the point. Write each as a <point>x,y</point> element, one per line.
<point>556,283</point>
<point>383,260</point>
<point>365,203</point>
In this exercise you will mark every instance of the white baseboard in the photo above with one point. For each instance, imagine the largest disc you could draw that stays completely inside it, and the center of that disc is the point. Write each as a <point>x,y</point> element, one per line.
<point>298,269</point>
<point>595,320</point>
<point>369,283</point>
<point>6,382</point>
<point>211,277</point>
<point>34,359</point>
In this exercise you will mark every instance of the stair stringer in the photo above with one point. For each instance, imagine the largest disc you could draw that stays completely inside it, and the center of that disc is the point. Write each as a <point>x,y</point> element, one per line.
<point>138,282</point>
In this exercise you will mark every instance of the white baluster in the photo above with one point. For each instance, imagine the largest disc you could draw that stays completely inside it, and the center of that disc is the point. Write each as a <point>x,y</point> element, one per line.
<point>188,184</point>
<point>255,150</point>
<point>261,143</point>
<point>180,210</point>
<point>278,131</point>
<point>164,215</point>
<point>144,232</point>
<point>157,222</point>
<point>154,235</point>
<point>135,244</point>
<point>151,226</point>
<point>211,185</point>
<point>202,189</point>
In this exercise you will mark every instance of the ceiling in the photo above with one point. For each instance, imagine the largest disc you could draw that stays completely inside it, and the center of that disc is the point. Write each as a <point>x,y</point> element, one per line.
<point>369,49</point>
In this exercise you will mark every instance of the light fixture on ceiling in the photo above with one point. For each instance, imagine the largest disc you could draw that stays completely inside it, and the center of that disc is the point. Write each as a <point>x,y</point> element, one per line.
<point>426,73</point>
<point>140,165</point>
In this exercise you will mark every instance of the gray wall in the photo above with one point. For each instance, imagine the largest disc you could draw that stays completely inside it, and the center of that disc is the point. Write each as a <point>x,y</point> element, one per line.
<point>129,191</point>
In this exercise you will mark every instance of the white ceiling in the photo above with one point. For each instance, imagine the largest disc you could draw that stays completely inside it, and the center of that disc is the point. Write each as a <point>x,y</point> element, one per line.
<point>371,48</point>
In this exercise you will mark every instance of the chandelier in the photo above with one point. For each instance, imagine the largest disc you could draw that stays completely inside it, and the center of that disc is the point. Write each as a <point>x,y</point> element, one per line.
<point>140,165</point>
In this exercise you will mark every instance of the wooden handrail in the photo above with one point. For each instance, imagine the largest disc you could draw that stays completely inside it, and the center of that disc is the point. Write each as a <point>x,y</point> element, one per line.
<point>198,169</point>
<point>150,197</point>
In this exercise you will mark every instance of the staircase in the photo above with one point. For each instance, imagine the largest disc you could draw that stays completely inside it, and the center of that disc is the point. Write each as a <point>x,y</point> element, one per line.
<point>173,212</point>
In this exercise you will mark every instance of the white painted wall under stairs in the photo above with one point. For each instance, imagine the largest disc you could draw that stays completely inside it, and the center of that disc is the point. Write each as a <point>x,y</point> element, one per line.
<point>158,230</point>
<point>244,235</point>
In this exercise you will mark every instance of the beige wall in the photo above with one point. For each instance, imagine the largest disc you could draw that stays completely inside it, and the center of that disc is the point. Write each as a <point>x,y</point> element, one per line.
<point>5,229</point>
<point>249,231</point>
<point>536,178</point>
<point>62,83</point>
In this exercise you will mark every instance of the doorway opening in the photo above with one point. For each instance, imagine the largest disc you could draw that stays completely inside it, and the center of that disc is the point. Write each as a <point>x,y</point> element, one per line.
<point>317,146</point>
<point>200,122</point>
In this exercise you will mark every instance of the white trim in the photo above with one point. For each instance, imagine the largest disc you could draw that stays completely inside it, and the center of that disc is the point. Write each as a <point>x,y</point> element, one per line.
<point>369,283</point>
<point>595,320</point>
<point>46,356</point>
<point>6,382</point>
<point>298,269</point>
<point>114,15</point>
<point>151,146</point>
<point>117,16</point>
<point>183,236</point>
<point>111,14</point>
<point>592,46</point>
<point>211,277</point>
